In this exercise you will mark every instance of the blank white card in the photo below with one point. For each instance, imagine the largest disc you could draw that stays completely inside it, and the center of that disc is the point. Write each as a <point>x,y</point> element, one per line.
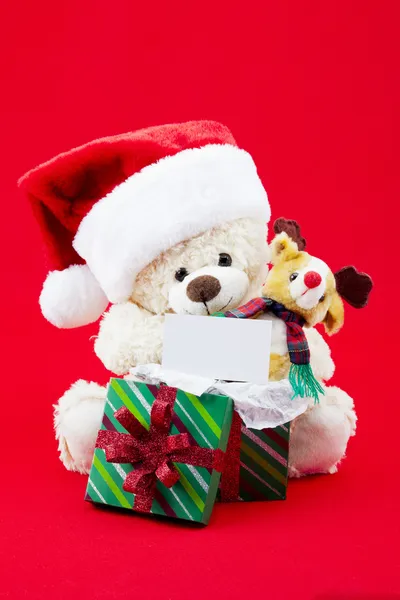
<point>218,348</point>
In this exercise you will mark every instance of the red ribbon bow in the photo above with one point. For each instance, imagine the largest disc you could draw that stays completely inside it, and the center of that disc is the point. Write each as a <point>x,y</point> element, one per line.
<point>154,451</point>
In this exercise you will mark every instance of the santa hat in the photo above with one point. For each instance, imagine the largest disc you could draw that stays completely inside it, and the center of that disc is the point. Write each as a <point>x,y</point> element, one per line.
<point>109,208</point>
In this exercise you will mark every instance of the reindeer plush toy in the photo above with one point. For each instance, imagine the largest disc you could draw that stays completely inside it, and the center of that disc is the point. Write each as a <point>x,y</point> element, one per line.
<point>301,291</point>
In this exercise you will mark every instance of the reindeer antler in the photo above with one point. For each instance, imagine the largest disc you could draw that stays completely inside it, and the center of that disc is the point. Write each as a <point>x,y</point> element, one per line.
<point>292,228</point>
<point>353,286</point>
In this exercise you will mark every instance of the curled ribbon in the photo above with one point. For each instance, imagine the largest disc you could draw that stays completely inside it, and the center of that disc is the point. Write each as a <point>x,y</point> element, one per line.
<point>153,451</point>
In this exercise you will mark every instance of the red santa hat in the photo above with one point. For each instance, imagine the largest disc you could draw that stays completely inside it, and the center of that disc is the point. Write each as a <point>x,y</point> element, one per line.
<point>109,208</point>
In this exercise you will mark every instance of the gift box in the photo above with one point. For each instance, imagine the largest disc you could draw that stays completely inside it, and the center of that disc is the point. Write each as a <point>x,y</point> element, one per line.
<point>256,463</point>
<point>160,450</point>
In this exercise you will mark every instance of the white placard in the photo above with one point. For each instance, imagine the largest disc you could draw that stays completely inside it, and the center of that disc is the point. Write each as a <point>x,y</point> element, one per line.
<point>219,348</point>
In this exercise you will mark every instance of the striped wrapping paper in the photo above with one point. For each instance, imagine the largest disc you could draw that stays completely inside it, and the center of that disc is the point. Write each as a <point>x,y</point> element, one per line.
<point>208,423</point>
<point>264,463</point>
<point>263,473</point>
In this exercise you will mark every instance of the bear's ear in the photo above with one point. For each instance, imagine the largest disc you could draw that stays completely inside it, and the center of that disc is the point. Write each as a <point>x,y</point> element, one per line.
<point>292,228</point>
<point>283,248</point>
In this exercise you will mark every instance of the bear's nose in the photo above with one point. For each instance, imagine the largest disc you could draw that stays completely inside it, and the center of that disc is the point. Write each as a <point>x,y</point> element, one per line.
<point>312,279</point>
<point>203,288</point>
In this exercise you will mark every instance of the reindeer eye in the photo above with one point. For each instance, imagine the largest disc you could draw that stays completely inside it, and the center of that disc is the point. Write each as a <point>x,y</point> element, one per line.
<point>293,276</point>
<point>225,260</point>
<point>322,298</point>
<point>181,274</point>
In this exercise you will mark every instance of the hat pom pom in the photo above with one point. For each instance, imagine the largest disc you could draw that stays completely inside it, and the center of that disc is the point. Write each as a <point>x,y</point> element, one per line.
<point>72,297</point>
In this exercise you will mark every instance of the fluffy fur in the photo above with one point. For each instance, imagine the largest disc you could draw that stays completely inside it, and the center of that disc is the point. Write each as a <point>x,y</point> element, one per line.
<point>129,336</point>
<point>306,286</point>
<point>64,189</point>
<point>72,297</point>
<point>77,419</point>
<point>319,437</point>
<point>244,240</point>
<point>316,305</point>
<point>122,200</point>
<point>131,333</point>
<point>182,196</point>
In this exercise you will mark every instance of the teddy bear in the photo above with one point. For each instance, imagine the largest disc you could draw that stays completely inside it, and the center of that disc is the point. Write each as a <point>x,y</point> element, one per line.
<point>301,291</point>
<point>306,288</point>
<point>171,218</point>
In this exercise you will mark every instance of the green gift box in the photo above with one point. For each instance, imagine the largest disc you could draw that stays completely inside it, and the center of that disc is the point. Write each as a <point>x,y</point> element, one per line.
<point>160,450</point>
<point>256,465</point>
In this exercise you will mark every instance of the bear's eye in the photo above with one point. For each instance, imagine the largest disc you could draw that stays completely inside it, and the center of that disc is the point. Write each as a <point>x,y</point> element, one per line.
<point>181,274</point>
<point>293,276</point>
<point>225,260</point>
<point>322,298</point>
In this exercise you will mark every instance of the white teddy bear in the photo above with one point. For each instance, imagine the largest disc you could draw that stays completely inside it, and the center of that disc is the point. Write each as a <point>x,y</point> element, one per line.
<point>167,219</point>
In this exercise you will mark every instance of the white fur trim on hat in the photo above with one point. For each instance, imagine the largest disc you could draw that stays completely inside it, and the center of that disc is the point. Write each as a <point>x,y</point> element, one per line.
<point>173,200</point>
<point>72,298</point>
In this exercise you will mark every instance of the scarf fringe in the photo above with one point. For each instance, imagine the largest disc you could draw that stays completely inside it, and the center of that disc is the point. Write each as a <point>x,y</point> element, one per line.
<point>303,382</point>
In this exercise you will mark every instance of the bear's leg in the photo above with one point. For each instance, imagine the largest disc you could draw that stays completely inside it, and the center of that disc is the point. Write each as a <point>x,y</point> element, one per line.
<point>77,419</point>
<point>319,437</point>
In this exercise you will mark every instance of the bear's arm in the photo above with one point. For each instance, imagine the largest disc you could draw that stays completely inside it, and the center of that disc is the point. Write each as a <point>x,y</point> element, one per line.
<point>320,355</point>
<point>129,336</point>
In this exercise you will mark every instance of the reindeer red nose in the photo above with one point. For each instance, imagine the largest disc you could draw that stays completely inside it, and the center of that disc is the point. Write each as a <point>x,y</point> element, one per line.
<point>312,279</point>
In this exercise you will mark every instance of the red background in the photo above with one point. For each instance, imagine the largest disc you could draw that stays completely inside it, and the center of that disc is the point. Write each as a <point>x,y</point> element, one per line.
<point>311,89</point>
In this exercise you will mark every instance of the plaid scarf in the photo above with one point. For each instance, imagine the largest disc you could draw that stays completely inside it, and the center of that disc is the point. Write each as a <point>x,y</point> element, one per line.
<point>301,376</point>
